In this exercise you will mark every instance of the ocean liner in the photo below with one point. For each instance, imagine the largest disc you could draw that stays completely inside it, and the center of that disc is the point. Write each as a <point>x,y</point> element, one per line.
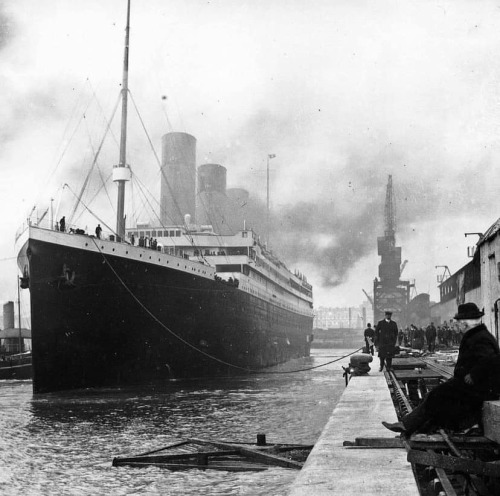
<point>160,300</point>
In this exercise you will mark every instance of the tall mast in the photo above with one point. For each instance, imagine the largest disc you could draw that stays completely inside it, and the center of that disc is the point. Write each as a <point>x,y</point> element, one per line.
<point>121,173</point>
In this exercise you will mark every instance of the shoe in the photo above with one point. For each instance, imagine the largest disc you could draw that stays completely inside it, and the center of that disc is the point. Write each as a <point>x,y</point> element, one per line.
<point>396,427</point>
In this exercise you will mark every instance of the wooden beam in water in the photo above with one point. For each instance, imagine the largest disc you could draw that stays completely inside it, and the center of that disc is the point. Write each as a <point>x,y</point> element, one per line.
<point>240,467</point>
<point>173,457</point>
<point>255,454</point>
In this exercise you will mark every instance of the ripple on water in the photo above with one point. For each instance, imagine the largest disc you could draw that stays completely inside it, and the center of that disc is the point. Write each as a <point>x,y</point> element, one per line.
<point>64,443</point>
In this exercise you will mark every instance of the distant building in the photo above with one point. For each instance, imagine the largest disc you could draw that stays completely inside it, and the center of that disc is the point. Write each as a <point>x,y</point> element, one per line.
<point>461,287</point>
<point>343,317</point>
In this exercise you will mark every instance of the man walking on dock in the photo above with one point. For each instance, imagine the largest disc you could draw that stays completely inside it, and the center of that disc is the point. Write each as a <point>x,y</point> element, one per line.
<point>430,336</point>
<point>457,402</point>
<point>369,335</point>
<point>386,334</point>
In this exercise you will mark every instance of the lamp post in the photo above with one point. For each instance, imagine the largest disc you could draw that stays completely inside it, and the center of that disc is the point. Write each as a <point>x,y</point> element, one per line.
<point>269,157</point>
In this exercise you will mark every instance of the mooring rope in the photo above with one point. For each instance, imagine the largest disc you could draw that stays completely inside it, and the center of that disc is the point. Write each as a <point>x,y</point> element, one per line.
<point>253,371</point>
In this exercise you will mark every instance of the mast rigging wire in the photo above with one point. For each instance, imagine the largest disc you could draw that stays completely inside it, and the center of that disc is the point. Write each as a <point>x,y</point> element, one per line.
<point>94,162</point>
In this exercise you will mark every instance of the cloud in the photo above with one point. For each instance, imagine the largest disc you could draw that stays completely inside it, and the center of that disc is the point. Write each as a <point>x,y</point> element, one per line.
<point>343,93</point>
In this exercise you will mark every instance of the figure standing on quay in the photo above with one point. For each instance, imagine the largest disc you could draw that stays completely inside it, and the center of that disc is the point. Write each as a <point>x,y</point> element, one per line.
<point>369,335</point>
<point>430,336</point>
<point>386,335</point>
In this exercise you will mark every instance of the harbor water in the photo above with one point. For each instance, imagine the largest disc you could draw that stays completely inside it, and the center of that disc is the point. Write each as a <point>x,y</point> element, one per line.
<point>64,443</point>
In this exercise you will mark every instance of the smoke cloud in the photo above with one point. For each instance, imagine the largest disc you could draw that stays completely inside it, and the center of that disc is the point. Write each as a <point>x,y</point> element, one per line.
<point>343,94</point>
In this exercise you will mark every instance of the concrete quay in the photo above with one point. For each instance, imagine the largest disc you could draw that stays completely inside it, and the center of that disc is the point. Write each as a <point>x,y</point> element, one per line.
<point>333,469</point>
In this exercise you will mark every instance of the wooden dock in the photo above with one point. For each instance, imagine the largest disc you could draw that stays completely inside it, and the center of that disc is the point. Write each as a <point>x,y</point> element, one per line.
<point>333,468</point>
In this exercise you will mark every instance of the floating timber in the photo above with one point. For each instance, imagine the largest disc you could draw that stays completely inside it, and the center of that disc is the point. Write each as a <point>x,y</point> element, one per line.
<point>203,454</point>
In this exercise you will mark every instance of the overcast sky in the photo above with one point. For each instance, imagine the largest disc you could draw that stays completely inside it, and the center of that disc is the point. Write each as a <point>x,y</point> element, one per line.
<point>343,92</point>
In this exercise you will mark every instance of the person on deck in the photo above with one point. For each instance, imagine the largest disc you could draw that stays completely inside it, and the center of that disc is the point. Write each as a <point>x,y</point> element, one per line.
<point>369,335</point>
<point>457,403</point>
<point>62,224</point>
<point>386,334</point>
<point>98,231</point>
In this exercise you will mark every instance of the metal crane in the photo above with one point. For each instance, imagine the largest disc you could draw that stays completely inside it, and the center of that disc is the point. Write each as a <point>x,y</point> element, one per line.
<point>403,265</point>
<point>370,299</point>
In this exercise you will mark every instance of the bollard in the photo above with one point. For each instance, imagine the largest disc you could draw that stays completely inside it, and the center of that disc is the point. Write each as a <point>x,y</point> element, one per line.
<point>261,439</point>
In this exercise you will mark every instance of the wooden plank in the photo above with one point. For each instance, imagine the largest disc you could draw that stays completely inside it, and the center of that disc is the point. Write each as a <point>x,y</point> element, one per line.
<point>436,441</point>
<point>182,466</point>
<point>454,464</point>
<point>255,454</point>
<point>290,447</point>
<point>375,442</point>
<point>406,375</point>
<point>407,363</point>
<point>270,459</point>
<point>174,456</point>
<point>169,446</point>
<point>445,482</point>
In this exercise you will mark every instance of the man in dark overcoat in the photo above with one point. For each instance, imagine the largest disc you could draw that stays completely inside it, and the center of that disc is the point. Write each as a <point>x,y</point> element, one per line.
<point>386,335</point>
<point>457,403</point>
<point>369,336</point>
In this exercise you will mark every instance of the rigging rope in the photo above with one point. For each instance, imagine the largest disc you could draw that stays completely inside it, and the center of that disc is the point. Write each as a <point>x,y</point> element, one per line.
<point>93,163</point>
<point>254,371</point>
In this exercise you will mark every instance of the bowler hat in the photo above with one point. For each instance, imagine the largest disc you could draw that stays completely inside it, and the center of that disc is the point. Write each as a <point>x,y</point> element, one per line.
<point>468,311</point>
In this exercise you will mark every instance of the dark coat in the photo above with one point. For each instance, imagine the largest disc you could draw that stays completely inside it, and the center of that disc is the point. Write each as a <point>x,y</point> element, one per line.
<point>386,334</point>
<point>476,356</point>
<point>430,333</point>
<point>456,404</point>
<point>369,332</point>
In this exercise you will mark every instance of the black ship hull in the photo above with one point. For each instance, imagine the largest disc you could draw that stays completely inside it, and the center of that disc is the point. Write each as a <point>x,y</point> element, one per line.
<point>101,319</point>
